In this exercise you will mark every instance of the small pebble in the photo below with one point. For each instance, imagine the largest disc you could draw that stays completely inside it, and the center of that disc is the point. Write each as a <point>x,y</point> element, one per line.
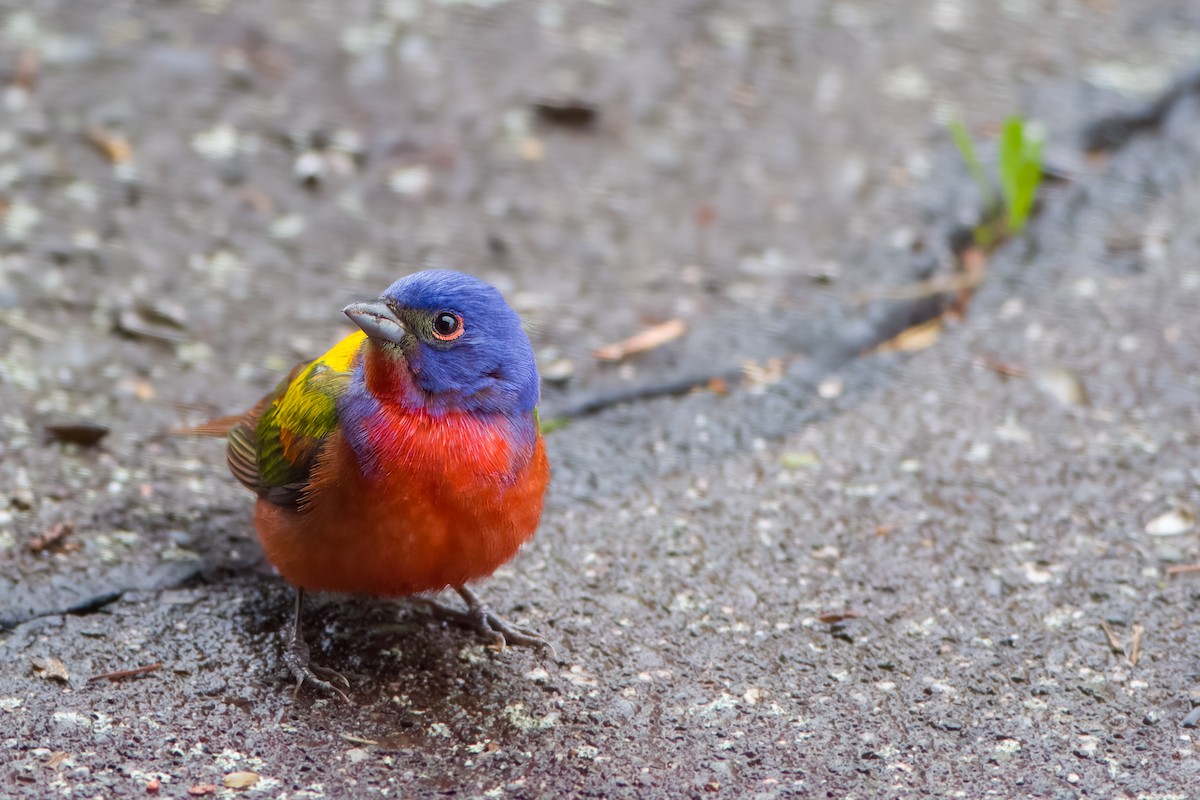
<point>1173,523</point>
<point>1062,385</point>
<point>240,780</point>
<point>559,371</point>
<point>309,168</point>
<point>51,669</point>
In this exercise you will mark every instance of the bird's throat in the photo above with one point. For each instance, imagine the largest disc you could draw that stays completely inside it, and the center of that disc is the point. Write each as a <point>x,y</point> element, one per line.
<point>389,376</point>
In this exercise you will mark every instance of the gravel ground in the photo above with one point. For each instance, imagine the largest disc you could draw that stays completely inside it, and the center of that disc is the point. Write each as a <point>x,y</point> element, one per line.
<point>961,571</point>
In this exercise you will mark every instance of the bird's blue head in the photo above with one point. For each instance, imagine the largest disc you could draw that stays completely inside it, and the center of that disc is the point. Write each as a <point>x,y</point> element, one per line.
<point>457,338</point>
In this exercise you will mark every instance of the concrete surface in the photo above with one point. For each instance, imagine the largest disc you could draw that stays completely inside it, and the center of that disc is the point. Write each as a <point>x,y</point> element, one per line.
<point>985,507</point>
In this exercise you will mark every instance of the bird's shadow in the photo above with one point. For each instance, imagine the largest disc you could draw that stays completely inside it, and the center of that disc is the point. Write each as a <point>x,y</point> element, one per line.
<point>384,648</point>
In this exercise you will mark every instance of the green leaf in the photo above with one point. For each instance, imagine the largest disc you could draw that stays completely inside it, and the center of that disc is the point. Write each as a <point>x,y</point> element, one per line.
<point>962,138</point>
<point>1010,156</point>
<point>1020,171</point>
<point>1028,176</point>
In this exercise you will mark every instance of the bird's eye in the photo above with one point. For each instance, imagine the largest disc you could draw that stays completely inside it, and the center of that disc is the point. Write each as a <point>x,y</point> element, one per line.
<point>447,326</point>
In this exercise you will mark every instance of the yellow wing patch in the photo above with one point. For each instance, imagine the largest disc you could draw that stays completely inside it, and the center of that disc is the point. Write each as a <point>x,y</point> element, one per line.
<point>305,403</point>
<point>275,446</point>
<point>340,357</point>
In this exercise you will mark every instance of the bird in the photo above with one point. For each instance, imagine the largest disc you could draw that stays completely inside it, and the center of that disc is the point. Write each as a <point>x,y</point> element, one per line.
<point>405,460</point>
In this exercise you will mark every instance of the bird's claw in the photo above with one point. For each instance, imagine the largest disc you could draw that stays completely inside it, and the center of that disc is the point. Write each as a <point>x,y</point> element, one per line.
<point>296,656</point>
<point>502,633</point>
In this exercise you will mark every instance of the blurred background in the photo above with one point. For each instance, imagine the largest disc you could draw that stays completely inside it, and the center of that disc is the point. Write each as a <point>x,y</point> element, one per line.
<point>191,190</point>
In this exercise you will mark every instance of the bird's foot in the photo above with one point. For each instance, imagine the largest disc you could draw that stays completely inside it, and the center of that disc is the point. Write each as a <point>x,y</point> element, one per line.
<point>295,655</point>
<point>481,619</point>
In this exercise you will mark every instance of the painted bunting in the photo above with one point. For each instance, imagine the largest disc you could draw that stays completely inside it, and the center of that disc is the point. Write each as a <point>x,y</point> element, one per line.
<point>407,459</point>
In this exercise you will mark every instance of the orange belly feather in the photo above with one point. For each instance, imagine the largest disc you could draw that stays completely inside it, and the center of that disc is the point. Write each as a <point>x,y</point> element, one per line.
<point>444,508</point>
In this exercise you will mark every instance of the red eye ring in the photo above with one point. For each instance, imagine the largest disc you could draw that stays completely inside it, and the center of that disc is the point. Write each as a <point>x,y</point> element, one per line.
<point>447,326</point>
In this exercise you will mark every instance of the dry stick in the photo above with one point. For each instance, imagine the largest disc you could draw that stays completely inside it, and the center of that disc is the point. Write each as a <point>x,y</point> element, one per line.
<point>1135,649</point>
<point>1001,367</point>
<point>126,673</point>
<point>1182,569</point>
<point>1114,643</point>
<point>645,341</point>
<point>113,146</point>
<point>350,737</point>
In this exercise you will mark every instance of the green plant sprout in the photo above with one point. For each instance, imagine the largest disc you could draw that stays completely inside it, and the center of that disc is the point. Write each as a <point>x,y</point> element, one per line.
<point>1020,173</point>
<point>1020,170</point>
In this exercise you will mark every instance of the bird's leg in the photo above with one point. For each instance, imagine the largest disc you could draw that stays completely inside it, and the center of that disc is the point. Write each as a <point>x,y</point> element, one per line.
<point>478,617</point>
<point>295,655</point>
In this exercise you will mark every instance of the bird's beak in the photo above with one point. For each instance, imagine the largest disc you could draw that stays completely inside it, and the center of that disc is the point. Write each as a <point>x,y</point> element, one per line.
<point>377,320</point>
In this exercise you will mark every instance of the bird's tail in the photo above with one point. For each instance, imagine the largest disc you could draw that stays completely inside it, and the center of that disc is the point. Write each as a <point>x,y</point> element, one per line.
<point>219,427</point>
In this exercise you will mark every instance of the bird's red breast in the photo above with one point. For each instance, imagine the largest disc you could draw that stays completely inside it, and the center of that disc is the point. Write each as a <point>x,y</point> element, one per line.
<point>451,500</point>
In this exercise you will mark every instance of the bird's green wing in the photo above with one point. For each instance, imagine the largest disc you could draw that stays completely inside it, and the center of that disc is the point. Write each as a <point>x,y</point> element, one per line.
<point>275,446</point>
